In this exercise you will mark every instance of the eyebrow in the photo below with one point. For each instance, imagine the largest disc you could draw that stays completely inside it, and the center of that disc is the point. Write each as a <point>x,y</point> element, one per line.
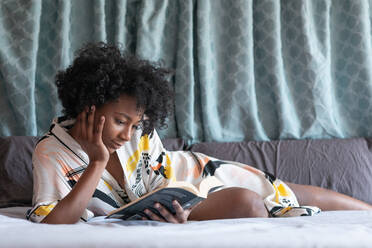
<point>126,116</point>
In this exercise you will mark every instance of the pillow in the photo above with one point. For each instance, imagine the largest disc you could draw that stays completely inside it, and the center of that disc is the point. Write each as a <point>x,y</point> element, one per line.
<point>173,144</point>
<point>16,170</point>
<point>343,165</point>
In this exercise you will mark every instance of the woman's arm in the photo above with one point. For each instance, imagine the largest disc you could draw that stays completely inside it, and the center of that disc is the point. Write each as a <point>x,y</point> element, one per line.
<point>89,136</point>
<point>70,209</point>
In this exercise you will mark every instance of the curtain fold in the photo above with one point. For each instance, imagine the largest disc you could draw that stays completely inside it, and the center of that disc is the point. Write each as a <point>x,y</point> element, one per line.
<point>19,28</point>
<point>244,69</point>
<point>54,53</point>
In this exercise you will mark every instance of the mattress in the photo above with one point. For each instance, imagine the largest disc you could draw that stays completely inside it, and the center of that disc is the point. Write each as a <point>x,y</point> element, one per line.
<point>327,229</point>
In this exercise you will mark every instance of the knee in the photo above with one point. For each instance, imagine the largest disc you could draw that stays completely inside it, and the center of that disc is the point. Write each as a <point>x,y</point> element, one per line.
<point>247,204</point>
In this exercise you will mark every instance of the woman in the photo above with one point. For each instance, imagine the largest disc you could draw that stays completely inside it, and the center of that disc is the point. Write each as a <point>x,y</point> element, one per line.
<point>105,152</point>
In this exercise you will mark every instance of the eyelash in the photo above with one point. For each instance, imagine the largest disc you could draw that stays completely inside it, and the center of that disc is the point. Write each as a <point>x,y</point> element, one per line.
<point>136,127</point>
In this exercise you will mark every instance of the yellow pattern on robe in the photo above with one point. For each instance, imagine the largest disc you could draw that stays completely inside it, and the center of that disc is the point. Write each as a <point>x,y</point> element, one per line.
<point>283,191</point>
<point>44,210</point>
<point>168,171</point>
<point>285,210</point>
<point>133,160</point>
<point>108,185</point>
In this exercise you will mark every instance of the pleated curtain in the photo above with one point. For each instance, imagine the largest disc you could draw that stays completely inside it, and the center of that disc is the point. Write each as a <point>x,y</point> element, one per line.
<point>244,69</point>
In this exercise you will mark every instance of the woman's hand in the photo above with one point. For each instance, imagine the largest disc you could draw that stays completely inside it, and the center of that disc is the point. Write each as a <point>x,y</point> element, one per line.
<point>89,135</point>
<point>166,216</point>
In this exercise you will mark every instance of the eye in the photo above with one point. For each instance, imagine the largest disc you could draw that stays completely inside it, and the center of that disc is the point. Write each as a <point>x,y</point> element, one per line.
<point>120,122</point>
<point>137,127</point>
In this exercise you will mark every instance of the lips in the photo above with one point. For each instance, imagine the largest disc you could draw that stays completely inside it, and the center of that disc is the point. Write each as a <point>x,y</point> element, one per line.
<point>116,145</point>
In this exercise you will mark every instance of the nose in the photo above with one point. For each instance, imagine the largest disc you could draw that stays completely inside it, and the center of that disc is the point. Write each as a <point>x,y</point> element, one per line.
<point>126,133</point>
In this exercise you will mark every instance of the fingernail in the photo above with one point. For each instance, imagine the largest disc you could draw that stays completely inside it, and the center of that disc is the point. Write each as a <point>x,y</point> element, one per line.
<point>157,205</point>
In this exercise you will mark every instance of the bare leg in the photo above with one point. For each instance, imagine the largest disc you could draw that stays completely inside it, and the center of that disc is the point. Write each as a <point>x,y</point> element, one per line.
<point>230,203</point>
<point>326,199</point>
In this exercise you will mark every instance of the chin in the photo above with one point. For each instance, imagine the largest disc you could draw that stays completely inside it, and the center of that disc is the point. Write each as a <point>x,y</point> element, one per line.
<point>112,150</point>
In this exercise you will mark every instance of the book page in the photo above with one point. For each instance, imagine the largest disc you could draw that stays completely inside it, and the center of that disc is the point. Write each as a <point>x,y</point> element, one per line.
<point>208,185</point>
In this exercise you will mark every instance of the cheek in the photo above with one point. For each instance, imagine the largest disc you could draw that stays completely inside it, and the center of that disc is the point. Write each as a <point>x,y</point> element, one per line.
<point>110,131</point>
<point>107,131</point>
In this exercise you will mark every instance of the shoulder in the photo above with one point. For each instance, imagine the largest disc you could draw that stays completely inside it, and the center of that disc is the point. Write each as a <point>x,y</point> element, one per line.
<point>47,149</point>
<point>46,144</point>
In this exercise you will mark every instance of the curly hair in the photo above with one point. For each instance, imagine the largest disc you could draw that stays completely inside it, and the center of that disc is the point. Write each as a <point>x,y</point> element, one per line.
<point>101,73</point>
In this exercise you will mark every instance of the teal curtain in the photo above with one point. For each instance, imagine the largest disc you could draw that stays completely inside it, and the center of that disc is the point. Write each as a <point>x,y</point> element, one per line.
<point>245,70</point>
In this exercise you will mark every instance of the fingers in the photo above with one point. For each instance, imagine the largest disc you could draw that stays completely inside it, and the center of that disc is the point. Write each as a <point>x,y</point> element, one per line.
<point>180,212</point>
<point>180,216</point>
<point>90,122</point>
<point>152,216</point>
<point>86,126</point>
<point>99,129</point>
<point>165,213</point>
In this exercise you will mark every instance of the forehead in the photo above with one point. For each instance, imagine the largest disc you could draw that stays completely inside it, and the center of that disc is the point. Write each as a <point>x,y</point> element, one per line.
<point>126,105</point>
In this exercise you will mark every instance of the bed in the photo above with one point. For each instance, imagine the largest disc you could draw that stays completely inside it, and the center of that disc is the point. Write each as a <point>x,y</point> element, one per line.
<point>343,165</point>
<point>328,229</point>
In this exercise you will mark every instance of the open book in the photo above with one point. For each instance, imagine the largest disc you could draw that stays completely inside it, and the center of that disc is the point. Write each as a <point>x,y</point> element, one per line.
<point>184,192</point>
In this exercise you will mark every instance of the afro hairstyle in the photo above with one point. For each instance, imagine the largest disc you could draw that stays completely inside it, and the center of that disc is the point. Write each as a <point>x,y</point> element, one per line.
<point>101,73</point>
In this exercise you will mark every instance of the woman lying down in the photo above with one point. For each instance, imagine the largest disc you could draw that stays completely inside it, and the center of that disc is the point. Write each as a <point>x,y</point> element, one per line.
<point>105,153</point>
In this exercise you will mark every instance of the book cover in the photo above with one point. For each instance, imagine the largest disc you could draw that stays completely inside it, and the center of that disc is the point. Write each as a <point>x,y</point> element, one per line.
<point>185,193</point>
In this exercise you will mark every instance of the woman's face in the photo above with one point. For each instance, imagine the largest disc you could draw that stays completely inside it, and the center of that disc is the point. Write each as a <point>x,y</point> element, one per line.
<point>122,118</point>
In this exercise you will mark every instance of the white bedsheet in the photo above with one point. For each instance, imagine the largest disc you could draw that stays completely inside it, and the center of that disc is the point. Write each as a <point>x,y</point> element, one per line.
<point>328,229</point>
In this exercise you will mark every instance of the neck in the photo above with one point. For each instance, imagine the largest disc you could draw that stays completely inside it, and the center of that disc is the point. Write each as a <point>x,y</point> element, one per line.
<point>72,132</point>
